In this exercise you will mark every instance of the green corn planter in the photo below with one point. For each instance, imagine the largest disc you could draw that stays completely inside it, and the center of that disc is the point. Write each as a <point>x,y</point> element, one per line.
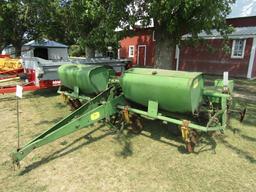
<point>174,91</point>
<point>90,79</point>
<point>156,89</point>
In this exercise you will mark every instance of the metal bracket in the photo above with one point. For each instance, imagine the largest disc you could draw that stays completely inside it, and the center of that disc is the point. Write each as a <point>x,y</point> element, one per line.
<point>152,108</point>
<point>126,115</point>
<point>185,131</point>
<point>76,91</point>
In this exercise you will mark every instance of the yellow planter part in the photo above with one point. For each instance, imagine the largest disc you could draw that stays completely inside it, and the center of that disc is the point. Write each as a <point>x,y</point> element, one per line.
<point>7,64</point>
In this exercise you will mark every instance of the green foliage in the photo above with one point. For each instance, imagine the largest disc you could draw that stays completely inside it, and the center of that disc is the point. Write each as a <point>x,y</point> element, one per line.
<point>92,24</point>
<point>174,18</point>
<point>76,51</point>
<point>20,21</point>
<point>56,22</point>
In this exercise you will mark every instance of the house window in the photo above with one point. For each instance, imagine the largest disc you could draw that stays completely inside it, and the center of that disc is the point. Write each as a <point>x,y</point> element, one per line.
<point>238,48</point>
<point>131,51</point>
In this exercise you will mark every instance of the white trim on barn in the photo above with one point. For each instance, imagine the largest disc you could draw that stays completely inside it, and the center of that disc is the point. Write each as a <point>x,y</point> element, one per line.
<point>177,57</point>
<point>220,37</point>
<point>119,53</point>
<point>233,52</point>
<point>239,33</point>
<point>131,51</point>
<point>153,36</point>
<point>252,57</point>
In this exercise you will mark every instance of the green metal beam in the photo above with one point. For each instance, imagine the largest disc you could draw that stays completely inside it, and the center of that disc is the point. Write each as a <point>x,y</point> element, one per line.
<point>214,93</point>
<point>171,120</point>
<point>89,113</point>
<point>84,108</point>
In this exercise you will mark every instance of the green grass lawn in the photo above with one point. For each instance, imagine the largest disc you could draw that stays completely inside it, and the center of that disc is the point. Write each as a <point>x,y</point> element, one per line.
<point>99,159</point>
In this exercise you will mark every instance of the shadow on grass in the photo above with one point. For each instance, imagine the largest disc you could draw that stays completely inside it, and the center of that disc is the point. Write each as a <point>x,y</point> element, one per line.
<point>63,152</point>
<point>56,120</point>
<point>157,132</point>
<point>245,82</point>
<point>244,89</point>
<point>206,143</point>
<point>60,105</point>
<point>248,138</point>
<point>237,131</point>
<point>171,132</point>
<point>30,95</point>
<point>250,115</point>
<point>46,92</point>
<point>124,139</point>
<point>240,152</point>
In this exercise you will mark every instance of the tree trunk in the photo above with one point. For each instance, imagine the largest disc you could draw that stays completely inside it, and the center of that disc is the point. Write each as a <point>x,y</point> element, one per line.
<point>164,51</point>
<point>89,52</point>
<point>2,47</point>
<point>17,48</point>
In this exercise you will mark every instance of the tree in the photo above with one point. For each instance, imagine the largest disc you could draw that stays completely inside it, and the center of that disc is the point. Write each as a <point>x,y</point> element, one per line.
<point>172,19</point>
<point>67,21</point>
<point>89,25</point>
<point>4,40</point>
<point>92,24</point>
<point>57,22</point>
<point>21,21</point>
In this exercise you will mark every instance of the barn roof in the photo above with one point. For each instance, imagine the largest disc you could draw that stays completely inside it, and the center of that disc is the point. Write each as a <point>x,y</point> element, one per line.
<point>238,32</point>
<point>243,8</point>
<point>45,43</point>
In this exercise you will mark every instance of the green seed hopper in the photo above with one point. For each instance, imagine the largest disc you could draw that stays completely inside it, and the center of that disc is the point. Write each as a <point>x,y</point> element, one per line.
<point>173,97</point>
<point>175,92</point>
<point>89,79</point>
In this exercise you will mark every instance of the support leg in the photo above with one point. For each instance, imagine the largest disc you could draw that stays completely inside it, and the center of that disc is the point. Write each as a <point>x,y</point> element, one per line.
<point>188,136</point>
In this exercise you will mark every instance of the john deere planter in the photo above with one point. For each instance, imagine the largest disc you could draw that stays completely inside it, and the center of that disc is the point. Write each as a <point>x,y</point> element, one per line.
<point>169,96</point>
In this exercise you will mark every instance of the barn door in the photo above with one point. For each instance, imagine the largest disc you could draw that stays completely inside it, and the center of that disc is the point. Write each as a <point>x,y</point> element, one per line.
<point>142,52</point>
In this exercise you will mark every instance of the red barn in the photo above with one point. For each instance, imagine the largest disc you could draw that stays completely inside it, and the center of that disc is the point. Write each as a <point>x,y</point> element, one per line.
<point>140,47</point>
<point>240,61</point>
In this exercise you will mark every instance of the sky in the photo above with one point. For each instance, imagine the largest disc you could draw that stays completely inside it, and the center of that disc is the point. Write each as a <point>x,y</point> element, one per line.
<point>243,8</point>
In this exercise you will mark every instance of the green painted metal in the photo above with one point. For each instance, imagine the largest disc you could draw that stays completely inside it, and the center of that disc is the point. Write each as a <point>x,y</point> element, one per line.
<point>174,91</point>
<point>220,84</point>
<point>152,108</point>
<point>91,112</point>
<point>74,95</point>
<point>158,90</point>
<point>222,100</point>
<point>172,120</point>
<point>153,114</point>
<point>214,93</point>
<point>89,79</point>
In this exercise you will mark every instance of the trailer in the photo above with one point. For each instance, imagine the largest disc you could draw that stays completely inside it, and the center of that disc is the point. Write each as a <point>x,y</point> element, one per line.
<point>37,73</point>
<point>119,65</point>
<point>9,67</point>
